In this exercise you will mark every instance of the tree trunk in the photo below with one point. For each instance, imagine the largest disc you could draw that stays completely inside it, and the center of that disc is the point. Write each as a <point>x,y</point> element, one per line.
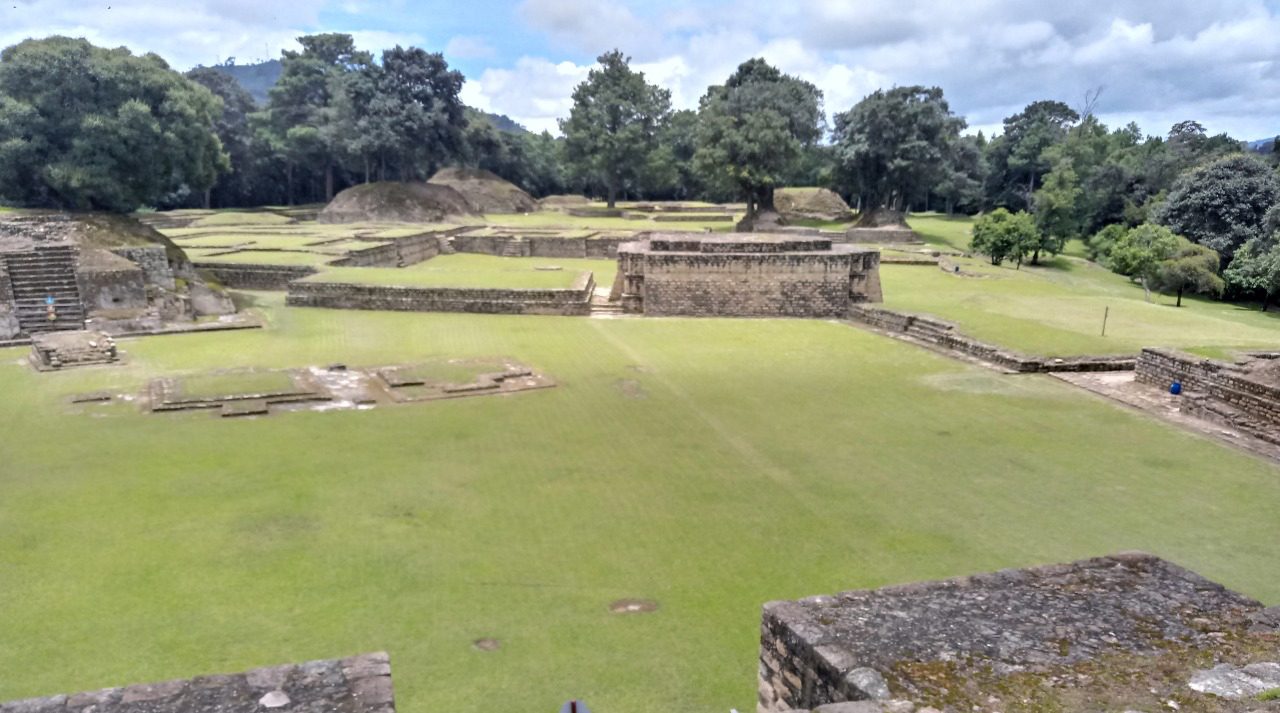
<point>208,198</point>
<point>1035,257</point>
<point>328,183</point>
<point>1266,300</point>
<point>767,200</point>
<point>288,181</point>
<point>366,169</point>
<point>613,190</point>
<point>1146,289</point>
<point>1179,304</point>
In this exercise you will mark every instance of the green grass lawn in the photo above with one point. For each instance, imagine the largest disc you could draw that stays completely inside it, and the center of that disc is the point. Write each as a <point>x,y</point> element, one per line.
<point>478,271</point>
<point>711,465</point>
<point>954,232</point>
<point>1057,309</point>
<point>242,218</point>
<point>269,257</point>
<point>238,383</point>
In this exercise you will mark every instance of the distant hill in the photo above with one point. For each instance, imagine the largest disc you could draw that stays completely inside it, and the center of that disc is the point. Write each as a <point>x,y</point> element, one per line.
<point>1262,145</point>
<point>258,79</point>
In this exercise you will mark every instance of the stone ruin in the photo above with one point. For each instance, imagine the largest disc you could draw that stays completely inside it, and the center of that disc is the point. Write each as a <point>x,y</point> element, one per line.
<point>61,272</point>
<point>745,275</point>
<point>360,684</point>
<point>1244,396</point>
<point>1125,632</point>
<point>60,350</point>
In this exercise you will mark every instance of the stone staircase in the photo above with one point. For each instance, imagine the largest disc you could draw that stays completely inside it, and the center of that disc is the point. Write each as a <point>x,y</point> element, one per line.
<point>47,272</point>
<point>515,247</point>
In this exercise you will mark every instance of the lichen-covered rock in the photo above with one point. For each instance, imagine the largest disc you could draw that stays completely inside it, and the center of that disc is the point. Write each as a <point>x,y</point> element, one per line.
<point>1237,683</point>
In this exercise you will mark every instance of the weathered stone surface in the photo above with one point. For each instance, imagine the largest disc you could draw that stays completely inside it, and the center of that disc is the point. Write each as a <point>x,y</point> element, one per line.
<point>745,275</point>
<point>361,684</point>
<point>1237,683</point>
<point>1215,391</point>
<point>926,640</point>
<point>60,350</point>
<point>573,301</point>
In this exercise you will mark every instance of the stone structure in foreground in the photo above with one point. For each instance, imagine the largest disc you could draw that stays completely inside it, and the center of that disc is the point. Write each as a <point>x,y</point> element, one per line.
<point>360,684</point>
<point>745,275</point>
<point>1127,632</point>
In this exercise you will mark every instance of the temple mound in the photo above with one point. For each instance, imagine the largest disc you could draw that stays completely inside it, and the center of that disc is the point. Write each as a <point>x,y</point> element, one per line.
<point>394,202</point>
<point>819,203</point>
<point>485,191</point>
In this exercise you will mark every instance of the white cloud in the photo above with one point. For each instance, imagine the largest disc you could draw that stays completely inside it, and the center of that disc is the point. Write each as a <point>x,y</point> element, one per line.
<point>534,92</point>
<point>469,47</point>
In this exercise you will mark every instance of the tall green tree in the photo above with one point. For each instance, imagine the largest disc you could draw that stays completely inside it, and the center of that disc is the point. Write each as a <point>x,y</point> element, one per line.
<point>1191,268</point>
<point>235,186</point>
<point>895,143</point>
<point>1001,235</point>
<point>613,126</point>
<point>84,127</point>
<point>1223,204</point>
<point>753,128</point>
<point>1057,210</point>
<point>301,122</point>
<point>1140,252</point>
<point>1256,268</point>
<point>1017,157</point>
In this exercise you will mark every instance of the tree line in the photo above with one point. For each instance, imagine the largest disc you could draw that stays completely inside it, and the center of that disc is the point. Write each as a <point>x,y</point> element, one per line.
<point>91,128</point>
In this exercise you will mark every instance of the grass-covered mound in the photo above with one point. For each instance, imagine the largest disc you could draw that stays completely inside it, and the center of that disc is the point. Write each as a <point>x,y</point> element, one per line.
<point>811,203</point>
<point>486,191</point>
<point>394,202</point>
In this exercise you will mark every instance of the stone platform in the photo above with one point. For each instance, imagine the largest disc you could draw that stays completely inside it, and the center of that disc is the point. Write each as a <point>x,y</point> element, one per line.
<point>1126,632</point>
<point>360,684</point>
<point>745,275</point>
<point>62,350</point>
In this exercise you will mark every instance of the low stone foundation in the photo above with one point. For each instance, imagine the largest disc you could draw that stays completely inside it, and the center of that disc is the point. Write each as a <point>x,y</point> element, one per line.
<point>255,277</point>
<point>400,252</point>
<point>62,350</point>
<point>883,236</point>
<point>574,301</point>
<point>360,684</point>
<point>1113,633</point>
<point>1215,391</point>
<point>944,335</point>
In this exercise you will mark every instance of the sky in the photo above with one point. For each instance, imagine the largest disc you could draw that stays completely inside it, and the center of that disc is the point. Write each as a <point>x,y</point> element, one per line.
<point>1156,62</point>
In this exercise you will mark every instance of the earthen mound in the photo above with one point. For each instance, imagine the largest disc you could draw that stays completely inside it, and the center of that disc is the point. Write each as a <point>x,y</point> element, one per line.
<point>811,202</point>
<point>485,191</point>
<point>393,202</point>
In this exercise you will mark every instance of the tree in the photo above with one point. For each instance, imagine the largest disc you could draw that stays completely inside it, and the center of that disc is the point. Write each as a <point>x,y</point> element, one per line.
<point>1256,267</point>
<point>1222,205</point>
<point>1056,210</point>
<point>895,143</point>
<point>234,187</point>
<point>1098,248</point>
<point>1139,253</point>
<point>963,175</point>
<point>614,123</point>
<point>1018,159</point>
<point>1191,268</point>
<point>1001,235</point>
<point>82,127</point>
<point>753,128</point>
<point>301,122</point>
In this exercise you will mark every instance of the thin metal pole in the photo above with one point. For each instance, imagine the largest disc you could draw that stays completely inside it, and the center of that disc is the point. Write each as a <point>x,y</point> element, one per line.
<point>1104,320</point>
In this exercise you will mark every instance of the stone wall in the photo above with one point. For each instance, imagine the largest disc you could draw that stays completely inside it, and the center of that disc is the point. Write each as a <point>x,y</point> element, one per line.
<point>401,252</point>
<point>113,289</point>
<point>944,336</point>
<point>567,302</point>
<point>255,277</point>
<point>1215,390</point>
<point>756,276</point>
<point>883,236</point>
<point>540,246</point>
<point>154,262</point>
<point>955,643</point>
